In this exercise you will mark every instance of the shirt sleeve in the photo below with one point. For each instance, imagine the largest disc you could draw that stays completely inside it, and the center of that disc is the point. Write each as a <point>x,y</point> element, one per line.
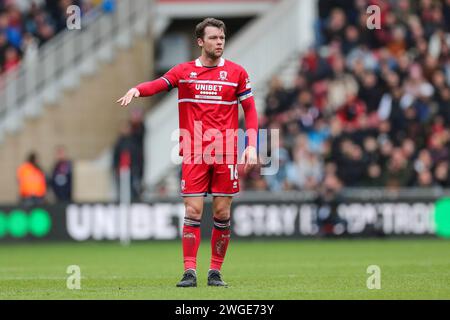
<point>173,76</point>
<point>244,90</point>
<point>150,88</point>
<point>251,120</point>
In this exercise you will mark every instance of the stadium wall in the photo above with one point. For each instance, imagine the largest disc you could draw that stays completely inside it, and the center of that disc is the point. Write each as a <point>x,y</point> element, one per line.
<point>85,120</point>
<point>163,219</point>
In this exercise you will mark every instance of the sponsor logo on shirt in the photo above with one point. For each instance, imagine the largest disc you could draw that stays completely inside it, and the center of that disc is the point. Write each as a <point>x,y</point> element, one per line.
<point>208,91</point>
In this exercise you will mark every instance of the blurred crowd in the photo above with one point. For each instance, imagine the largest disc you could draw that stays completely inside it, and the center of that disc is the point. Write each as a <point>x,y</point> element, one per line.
<point>25,25</point>
<point>367,107</point>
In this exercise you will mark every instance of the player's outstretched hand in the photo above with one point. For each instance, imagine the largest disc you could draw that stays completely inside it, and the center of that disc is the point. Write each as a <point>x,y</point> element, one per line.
<point>126,99</point>
<point>249,158</point>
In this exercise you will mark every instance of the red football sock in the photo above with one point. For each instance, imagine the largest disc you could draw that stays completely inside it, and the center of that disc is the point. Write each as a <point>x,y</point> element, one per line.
<point>191,242</point>
<point>219,242</point>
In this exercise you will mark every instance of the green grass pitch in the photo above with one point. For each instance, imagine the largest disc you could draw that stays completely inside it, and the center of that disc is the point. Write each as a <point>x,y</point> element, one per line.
<point>300,269</point>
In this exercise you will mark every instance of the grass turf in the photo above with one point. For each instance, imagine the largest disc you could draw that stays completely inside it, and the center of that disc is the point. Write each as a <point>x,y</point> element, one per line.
<point>303,269</point>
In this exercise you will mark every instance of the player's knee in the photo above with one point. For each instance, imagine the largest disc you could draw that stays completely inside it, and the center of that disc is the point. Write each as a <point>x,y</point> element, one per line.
<point>193,212</point>
<point>222,213</point>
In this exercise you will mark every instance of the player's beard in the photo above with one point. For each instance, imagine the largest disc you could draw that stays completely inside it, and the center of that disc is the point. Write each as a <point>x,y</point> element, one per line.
<point>213,55</point>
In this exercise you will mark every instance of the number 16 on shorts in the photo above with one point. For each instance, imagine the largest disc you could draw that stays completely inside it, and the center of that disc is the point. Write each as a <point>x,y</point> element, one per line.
<point>233,171</point>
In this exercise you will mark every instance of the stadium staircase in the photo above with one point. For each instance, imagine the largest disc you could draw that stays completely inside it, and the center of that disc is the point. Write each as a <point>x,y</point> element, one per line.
<point>66,96</point>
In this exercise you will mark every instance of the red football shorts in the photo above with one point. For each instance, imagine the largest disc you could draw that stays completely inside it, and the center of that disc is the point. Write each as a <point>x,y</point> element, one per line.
<point>218,176</point>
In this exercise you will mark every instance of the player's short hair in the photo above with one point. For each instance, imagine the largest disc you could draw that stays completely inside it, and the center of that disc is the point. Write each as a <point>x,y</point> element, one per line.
<point>208,22</point>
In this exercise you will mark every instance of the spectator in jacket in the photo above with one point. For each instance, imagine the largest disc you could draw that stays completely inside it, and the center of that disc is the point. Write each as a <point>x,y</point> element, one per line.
<point>32,182</point>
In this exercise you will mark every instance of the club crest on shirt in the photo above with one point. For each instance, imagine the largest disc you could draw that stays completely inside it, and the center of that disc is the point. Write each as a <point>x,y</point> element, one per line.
<point>193,75</point>
<point>223,75</point>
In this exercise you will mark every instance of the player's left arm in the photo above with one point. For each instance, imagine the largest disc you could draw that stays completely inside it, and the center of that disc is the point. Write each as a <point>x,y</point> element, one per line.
<point>247,101</point>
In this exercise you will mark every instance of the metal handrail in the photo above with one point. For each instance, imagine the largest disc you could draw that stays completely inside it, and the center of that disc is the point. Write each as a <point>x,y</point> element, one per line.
<point>69,54</point>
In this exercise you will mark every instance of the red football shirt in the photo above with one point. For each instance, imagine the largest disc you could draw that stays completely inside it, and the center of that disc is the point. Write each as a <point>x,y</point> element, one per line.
<point>208,99</point>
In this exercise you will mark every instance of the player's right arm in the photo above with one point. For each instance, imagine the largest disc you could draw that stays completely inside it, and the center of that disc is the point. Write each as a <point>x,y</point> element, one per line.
<point>126,99</point>
<point>147,89</point>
